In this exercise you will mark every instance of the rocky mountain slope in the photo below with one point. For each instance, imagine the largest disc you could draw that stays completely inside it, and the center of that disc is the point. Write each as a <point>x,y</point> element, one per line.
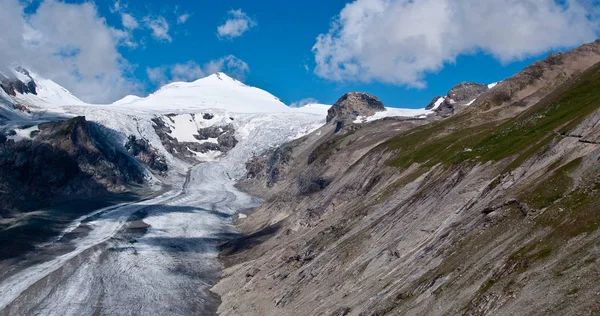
<point>492,211</point>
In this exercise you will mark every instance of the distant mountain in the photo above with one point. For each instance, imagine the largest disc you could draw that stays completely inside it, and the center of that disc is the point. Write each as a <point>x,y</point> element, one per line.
<point>215,91</point>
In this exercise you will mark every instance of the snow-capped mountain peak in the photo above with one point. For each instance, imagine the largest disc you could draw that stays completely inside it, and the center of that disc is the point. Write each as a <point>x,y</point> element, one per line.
<point>27,88</point>
<point>217,91</point>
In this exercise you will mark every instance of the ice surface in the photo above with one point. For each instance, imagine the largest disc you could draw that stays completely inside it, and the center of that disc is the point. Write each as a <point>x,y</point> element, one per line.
<point>314,108</point>
<point>167,270</point>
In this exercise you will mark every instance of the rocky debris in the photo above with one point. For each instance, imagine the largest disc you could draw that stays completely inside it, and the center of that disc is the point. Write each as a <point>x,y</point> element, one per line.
<point>467,91</point>
<point>67,159</point>
<point>224,135</point>
<point>22,108</point>
<point>267,166</point>
<point>214,132</point>
<point>144,152</point>
<point>354,104</point>
<point>458,97</point>
<point>226,141</point>
<point>187,151</point>
<point>207,116</point>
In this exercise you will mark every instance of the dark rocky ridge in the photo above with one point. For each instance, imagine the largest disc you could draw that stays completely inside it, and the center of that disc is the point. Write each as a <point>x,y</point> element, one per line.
<point>144,152</point>
<point>458,97</point>
<point>531,84</point>
<point>433,101</point>
<point>467,91</point>
<point>13,85</point>
<point>354,104</point>
<point>66,159</point>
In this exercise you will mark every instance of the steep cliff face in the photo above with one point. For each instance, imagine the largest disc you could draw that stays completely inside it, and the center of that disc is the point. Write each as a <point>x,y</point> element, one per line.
<point>60,160</point>
<point>493,211</point>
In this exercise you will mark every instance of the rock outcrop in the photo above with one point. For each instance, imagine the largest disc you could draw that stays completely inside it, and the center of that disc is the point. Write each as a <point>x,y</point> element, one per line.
<point>459,97</point>
<point>466,92</point>
<point>216,138</point>
<point>12,85</point>
<point>63,160</point>
<point>144,152</point>
<point>354,104</point>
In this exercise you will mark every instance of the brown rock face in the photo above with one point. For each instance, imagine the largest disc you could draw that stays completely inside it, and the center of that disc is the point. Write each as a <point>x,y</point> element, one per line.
<point>354,104</point>
<point>537,80</point>
<point>466,91</point>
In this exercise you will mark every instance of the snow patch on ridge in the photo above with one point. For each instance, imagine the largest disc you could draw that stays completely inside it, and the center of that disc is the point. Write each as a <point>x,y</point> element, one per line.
<point>50,96</point>
<point>392,112</point>
<point>23,133</point>
<point>491,85</point>
<point>314,108</point>
<point>437,103</point>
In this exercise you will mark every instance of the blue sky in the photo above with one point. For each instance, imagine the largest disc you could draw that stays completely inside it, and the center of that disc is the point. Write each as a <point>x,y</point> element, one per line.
<point>404,52</point>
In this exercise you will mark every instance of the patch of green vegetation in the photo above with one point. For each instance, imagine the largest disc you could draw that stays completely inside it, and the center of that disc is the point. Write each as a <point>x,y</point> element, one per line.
<point>589,260</point>
<point>33,134</point>
<point>528,255</point>
<point>488,285</point>
<point>542,254</point>
<point>326,149</point>
<point>573,291</point>
<point>555,164</point>
<point>552,188</point>
<point>453,140</point>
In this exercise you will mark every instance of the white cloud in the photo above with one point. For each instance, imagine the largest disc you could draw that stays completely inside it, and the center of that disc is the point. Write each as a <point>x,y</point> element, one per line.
<point>117,7</point>
<point>303,102</point>
<point>68,43</point>
<point>236,25</point>
<point>129,21</point>
<point>230,64</point>
<point>159,27</point>
<point>399,41</point>
<point>191,71</point>
<point>183,18</point>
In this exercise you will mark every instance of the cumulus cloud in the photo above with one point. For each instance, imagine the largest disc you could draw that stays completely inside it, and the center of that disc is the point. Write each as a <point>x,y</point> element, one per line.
<point>303,102</point>
<point>399,41</point>
<point>129,21</point>
<point>191,71</point>
<point>159,27</point>
<point>68,43</point>
<point>183,18</point>
<point>117,7</point>
<point>237,24</point>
